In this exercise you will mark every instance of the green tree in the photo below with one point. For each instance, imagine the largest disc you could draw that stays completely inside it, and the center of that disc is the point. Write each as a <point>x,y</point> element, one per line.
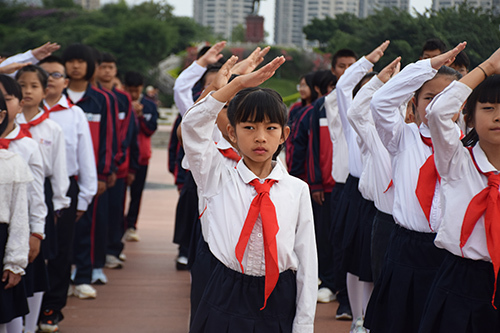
<point>238,34</point>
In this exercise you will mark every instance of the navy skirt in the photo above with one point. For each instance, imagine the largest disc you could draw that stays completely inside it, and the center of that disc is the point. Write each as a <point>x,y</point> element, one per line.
<point>186,214</point>
<point>358,220</point>
<point>37,277</point>
<point>460,298</point>
<point>232,301</point>
<point>400,294</point>
<point>383,224</point>
<point>13,302</point>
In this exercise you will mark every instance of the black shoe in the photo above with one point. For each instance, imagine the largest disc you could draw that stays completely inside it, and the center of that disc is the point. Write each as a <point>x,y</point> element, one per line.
<point>49,321</point>
<point>181,264</point>
<point>344,311</point>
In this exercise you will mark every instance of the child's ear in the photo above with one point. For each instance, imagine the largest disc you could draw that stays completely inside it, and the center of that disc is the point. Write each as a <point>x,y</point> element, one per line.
<point>231,133</point>
<point>66,82</point>
<point>414,103</point>
<point>3,113</point>
<point>286,133</point>
<point>318,91</point>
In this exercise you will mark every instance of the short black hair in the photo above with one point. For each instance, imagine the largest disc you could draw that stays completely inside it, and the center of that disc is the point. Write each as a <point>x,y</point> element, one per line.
<point>81,52</point>
<point>53,59</point>
<point>434,44</point>
<point>3,106</point>
<point>133,79</point>
<point>462,59</point>
<point>11,87</point>
<point>343,53</point>
<point>107,57</point>
<point>322,79</point>
<point>42,75</point>
<point>96,54</point>
<point>361,83</point>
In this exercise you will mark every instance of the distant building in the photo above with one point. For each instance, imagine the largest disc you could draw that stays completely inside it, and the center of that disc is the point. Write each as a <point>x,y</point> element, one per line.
<point>222,15</point>
<point>486,4</point>
<point>88,4</point>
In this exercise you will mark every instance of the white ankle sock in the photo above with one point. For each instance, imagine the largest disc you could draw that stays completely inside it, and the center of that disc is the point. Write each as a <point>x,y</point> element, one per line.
<point>31,319</point>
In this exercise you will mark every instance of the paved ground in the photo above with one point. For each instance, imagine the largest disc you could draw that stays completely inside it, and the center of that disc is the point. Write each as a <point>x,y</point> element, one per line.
<point>148,294</point>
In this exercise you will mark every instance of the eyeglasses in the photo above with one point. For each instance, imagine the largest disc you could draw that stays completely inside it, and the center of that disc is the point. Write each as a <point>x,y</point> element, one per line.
<point>301,86</point>
<point>56,75</point>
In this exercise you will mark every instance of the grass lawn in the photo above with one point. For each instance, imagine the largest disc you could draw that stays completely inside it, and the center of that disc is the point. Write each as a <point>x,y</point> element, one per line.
<point>286,88</point>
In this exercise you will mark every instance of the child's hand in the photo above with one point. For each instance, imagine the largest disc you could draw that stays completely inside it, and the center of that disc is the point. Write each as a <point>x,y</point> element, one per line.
<point>376,54</point>
<point>251,62</point>
<point>213,55</point>
<point>11,279</point>
<point>45,50</point>
<point>224,74</point>
<point>390,70</point>
<point>447,58</point>
<point>34,248</point>
<point>11,68</point>
<point>262,75</point>
<point>492,64</point>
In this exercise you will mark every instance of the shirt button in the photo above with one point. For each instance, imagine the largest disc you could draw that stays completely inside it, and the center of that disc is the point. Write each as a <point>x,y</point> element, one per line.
<point>259,235</point>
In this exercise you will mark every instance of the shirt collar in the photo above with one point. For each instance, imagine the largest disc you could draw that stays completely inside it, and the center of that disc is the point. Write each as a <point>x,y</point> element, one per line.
<point>63,101</point>
<point>482,160</point>
<point>13,134</point>
<point>424,130</point>
<point>221,143</point>
<point>247,175</point>
<point>20,119</point>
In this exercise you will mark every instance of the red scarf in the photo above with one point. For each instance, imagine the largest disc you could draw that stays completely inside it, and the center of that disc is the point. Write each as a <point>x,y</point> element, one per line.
<point>26,127</point>
<point>262,205</point>
<point>487,203</point>
<point>57,107</point>
<point>231,154</point>
<point>4,143</point>
<point>426,184</point>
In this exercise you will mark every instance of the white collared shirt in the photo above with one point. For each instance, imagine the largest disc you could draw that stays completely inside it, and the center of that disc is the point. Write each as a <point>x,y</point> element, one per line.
<point>29,150</point>
<point>340,156</point>
<point>228,196</point>
<point>344,88</point>
<point>460,179</point>
<point>183,95</point>
<point>377,170</point>
<point>50,138</point>
<point>80,160</point>
<point>404,143</point>
<point>14,179</point>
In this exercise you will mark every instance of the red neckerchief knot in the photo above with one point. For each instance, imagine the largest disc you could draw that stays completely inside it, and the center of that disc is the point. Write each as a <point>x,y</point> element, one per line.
<point>230,154</point>
<point>25,128</point>
<point>4,143</point>
<point>262,205</point>
<point>485,202</point>
<point>426,184</point>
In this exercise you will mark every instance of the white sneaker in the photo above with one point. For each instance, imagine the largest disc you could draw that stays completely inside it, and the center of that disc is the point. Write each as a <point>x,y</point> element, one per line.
<point>84,291</point>
<point>113,262</point>
<point>131,235</point>
<point>71,290</point>
<point>357,326</point>
<point>325,295</point>
<point>98,276</point>
<point>122,257</point>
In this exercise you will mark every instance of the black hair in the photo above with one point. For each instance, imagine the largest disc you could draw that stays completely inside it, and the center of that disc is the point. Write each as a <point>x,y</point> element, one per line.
<point>51,59</point>
<point>487,91</point>
<point>433,44</point>
<point>462,59</point>
<point>11,87</point>
<point>3,106</point>
<point>257,105</point>
<point>202,51</point>
<point>343,53</point>
<point>443,71</point>
<point>309,81</point>
<point>323,79</point>
<point>212,68</point>
<point>96,54</point>
<point>362,82</point>
<point>42,75</point>
<point>80,52</point>
<point>133,79</point>
<point>107,57</point>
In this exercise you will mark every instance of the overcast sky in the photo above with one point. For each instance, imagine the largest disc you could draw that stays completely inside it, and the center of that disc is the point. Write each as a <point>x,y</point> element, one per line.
<point>185,8</point>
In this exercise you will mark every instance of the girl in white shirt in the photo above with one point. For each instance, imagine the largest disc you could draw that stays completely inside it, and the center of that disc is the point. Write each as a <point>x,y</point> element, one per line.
<point>465,296</point>
<point>266,278</point>
<point>412,260</point>
<point>14,226</point>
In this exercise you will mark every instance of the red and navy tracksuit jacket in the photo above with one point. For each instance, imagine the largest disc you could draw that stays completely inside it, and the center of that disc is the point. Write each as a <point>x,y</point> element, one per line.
<point>147,127</point>
<point>296,148</point>
<point>320,150</point>
<point>97,109</point>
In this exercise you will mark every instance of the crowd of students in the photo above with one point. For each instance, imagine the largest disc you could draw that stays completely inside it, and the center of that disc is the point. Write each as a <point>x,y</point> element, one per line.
<point>72,139</point>
<point>387,200</point>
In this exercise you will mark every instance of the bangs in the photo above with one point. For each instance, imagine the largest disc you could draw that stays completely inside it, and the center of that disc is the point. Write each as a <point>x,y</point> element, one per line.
<point>257,105</point>
<point>80,52</point>
<point>488,91</point>
<point>11,87</point>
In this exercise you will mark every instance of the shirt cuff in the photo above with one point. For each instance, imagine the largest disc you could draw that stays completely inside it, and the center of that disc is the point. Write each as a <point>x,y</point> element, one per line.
<point>13,268</point>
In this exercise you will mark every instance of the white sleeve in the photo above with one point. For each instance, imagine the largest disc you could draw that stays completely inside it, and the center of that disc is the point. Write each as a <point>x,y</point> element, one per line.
<point>36,193</point>
<point>448,148</point>
<point>17,247</point>
<point>340,165</point>
<point>20,58</point>
<point>59,178</point>
<point>183,96</point>
<point>307,271</point>
<point>345,86</point>
<point>387,100</point>
<point>87,172</point>
<point>359,115</point>
<point>206,162</point>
